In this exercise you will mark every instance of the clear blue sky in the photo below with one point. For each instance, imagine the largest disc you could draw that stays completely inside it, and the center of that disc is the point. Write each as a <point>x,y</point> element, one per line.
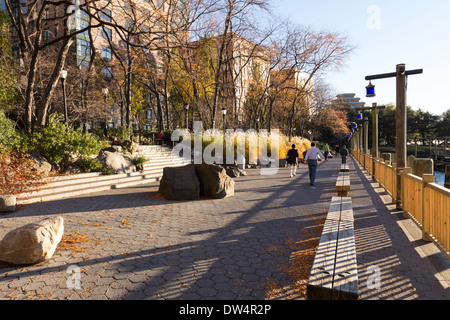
<point>386,33</point>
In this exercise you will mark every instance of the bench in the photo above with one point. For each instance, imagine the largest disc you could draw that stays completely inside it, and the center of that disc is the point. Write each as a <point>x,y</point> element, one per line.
<point>344,168</point>
<point>343,184</point>
<point>334,274</point>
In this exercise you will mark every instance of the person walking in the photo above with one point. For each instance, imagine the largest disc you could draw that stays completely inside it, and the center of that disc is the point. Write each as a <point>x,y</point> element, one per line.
<point>311,157</point>
<point>336,149</point>
<point>292,160</point>
<point>344,154</point>
<point>326,151</point>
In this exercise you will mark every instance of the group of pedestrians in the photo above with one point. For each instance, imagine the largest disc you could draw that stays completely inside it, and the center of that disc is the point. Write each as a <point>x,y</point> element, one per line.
<point>311,157</point>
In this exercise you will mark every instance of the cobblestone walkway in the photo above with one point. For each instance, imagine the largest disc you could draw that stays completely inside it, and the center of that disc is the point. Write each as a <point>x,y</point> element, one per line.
<point>132,244</point>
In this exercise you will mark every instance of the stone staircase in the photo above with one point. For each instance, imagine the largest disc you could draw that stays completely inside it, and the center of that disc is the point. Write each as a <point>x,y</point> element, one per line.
<point>83,183</point>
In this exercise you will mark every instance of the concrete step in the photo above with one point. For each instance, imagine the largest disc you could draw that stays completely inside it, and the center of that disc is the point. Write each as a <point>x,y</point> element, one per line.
<point>77,184</point>
<point>92,188</point>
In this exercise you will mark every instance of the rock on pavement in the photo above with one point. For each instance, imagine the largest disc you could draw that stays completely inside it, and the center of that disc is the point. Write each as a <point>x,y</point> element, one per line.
<point>32,243</point>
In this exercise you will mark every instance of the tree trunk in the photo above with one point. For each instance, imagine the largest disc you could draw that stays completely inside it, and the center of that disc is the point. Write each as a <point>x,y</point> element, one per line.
<point>48,94</point>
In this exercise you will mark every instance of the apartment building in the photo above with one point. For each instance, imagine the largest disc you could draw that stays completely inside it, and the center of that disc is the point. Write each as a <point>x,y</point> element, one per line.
<point>349,99</point>
<point>242,63</point>
<point>115,21</point>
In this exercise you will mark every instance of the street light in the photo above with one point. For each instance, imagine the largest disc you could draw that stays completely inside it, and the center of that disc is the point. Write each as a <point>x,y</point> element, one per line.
<point>63,79</point>
<point>401,75</point>
<point>224,112</point>
<point>186,107</point>
<point>370,90</point>
<point>105,93</point>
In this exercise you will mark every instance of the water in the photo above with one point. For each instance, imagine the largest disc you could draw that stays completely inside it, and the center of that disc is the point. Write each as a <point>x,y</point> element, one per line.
<point>439,178</point>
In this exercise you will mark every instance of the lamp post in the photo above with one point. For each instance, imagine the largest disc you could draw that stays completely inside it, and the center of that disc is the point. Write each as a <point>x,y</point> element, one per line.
<point>400,75</point>
<point>224,112</point>
<point>105,93</point>
<point>186,108</point>
<point>63,82</point>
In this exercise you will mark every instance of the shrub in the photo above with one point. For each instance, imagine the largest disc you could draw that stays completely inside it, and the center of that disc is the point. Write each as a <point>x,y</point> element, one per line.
<point>10,138</point>
<point>121,133</point>
<point>107,170</point>
<point>139,160</point>
<point>89,164</point>
<point>59,145</point>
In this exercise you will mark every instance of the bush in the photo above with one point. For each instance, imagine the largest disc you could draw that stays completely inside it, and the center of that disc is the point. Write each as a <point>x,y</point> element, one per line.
<point>121,133</point>
<point>139,160</point>
<point>89,164</point>
<point>107,170</point>
<point>10,138</point>
<point>59,145</point>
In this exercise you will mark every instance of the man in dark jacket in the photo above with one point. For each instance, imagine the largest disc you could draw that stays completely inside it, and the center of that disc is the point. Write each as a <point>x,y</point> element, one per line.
<point>292,160</point>
<point>344,154</point>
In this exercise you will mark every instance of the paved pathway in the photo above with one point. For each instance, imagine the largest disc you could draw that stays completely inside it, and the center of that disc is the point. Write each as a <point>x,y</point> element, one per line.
<point>143,247</point>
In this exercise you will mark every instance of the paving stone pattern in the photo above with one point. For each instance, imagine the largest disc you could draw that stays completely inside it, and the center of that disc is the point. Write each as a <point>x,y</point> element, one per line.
<point>141,246</point>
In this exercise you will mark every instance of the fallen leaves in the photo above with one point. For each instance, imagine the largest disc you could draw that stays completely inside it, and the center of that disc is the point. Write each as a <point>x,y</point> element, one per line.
<point>76,242</point>
<point>298,267</point>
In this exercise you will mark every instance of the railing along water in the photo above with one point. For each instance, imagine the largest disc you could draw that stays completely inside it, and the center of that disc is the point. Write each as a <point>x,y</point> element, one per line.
<point>426,203</point>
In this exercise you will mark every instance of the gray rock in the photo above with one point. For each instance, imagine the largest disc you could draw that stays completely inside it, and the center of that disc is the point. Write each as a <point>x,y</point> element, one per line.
<point>235,172</point>
<point>40,164</point>
<point>7,203</point>
<point>180,183</point>
<point>117,161</point>
<point>214,181</point>
<point>32,243</point>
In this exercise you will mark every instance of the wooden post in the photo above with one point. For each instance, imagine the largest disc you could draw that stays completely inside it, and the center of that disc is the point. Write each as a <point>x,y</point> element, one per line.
<point>400,121</point>
<point>394,177</point>
<point>361,135</point>
<point>366,135</point>
<point>447,177</point>
<point>426,179</point>
<point>403,174</point>
<point>415,146</point>
<point>374,137</point>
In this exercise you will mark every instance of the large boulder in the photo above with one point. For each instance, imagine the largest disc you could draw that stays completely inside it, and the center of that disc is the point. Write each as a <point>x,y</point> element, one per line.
<point>40,164</point>
<point>116,160</point>
<point>32,243</point>
<point>180,183</point>
<point>214,181</point>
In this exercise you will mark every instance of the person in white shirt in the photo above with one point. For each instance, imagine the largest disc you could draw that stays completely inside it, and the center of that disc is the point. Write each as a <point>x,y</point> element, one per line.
<point>311,158</point>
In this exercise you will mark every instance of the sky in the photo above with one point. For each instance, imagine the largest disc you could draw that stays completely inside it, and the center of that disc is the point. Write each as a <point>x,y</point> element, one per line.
<point>385,33</point>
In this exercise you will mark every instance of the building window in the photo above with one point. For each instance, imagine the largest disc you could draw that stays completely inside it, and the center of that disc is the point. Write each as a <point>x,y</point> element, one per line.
<point>106,33</point>
<point>105,15</point>
<point>84,48</point>
<point>107,72</point>
<point>106,52</point>
<point>84,24</point>
<point>159,4</point>
<point>45,35</point>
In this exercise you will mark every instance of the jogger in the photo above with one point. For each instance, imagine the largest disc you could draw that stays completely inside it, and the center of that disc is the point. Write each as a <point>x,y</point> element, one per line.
<point>311,157</point>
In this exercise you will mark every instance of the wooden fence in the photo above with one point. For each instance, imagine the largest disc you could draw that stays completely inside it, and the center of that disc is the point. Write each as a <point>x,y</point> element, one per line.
<point>427,203</point>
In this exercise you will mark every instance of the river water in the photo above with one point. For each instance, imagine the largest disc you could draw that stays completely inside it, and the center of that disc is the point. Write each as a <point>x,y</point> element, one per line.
<point>439,178</point>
